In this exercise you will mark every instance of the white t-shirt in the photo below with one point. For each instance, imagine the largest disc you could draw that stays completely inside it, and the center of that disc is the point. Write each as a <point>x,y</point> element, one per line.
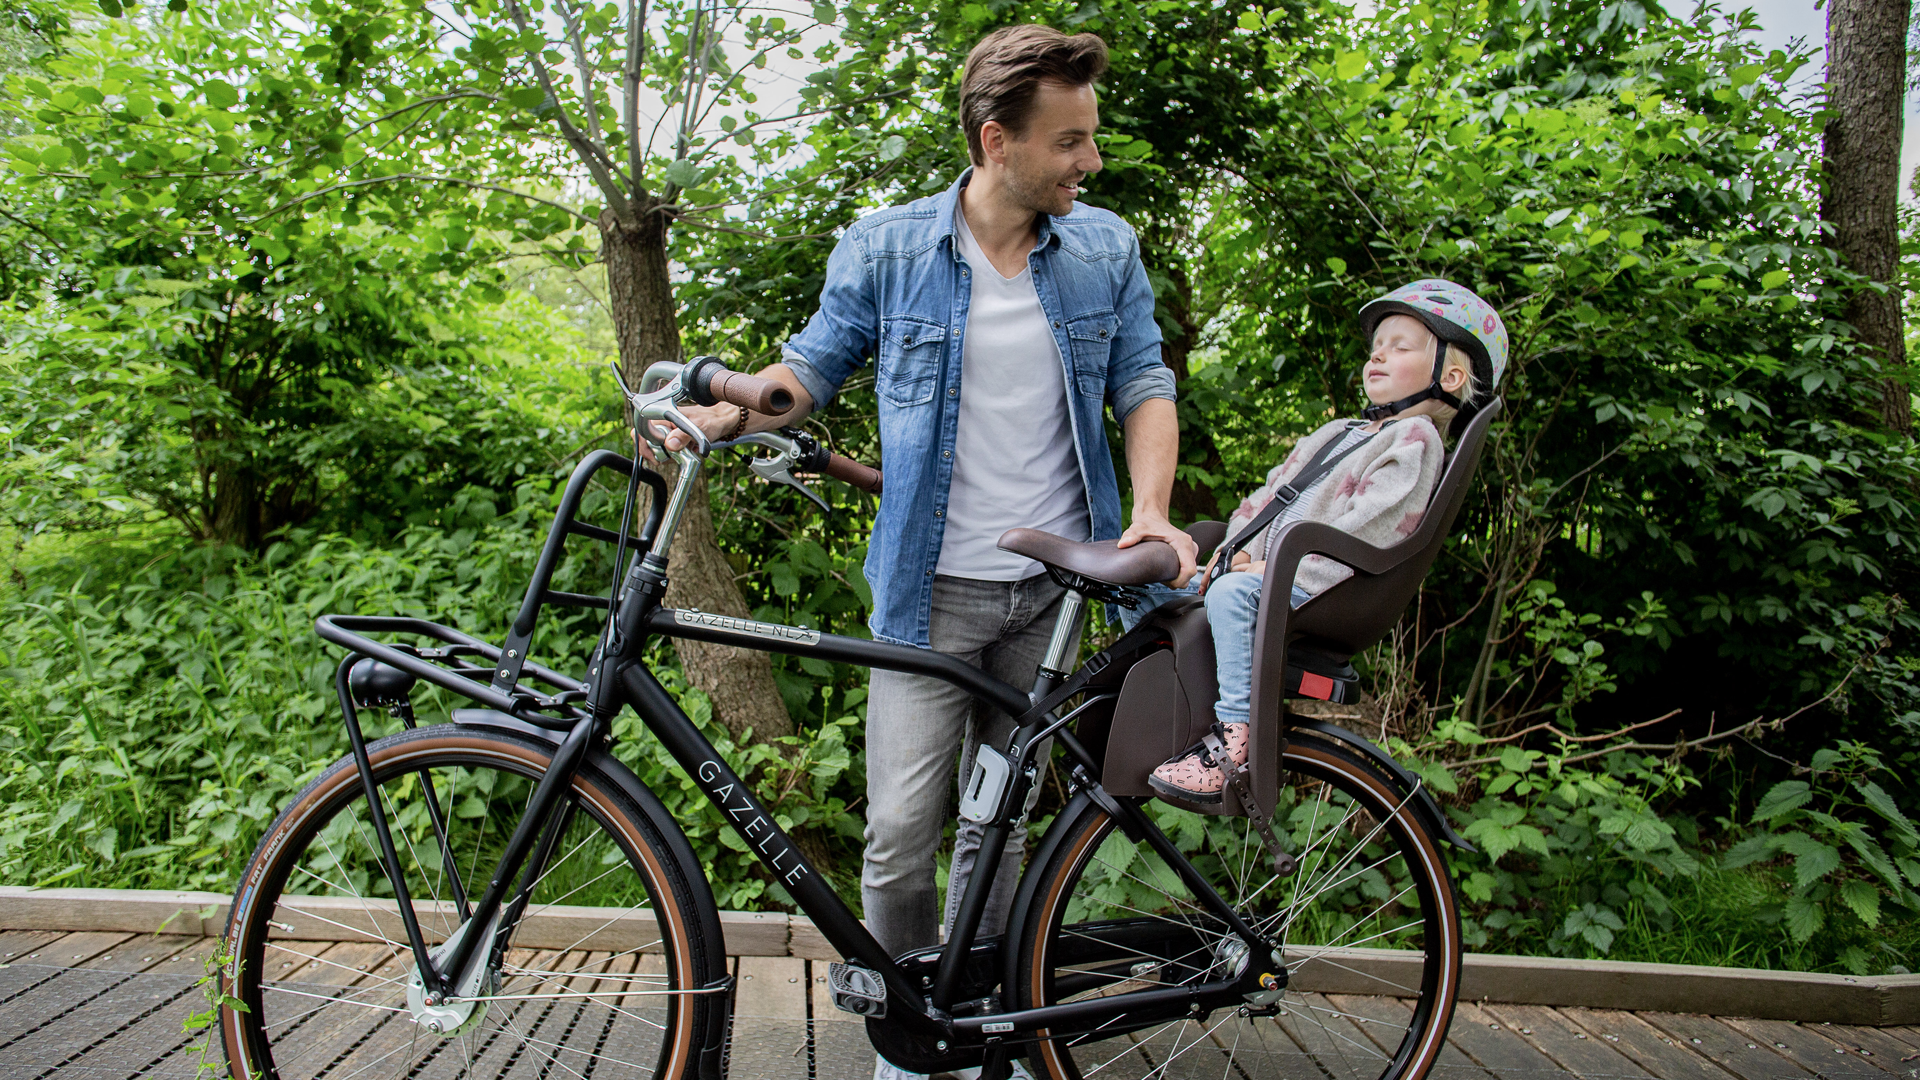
<point>1014,463</point>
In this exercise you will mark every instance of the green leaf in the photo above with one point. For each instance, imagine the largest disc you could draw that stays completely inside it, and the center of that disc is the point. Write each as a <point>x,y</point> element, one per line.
<point>1813,860</point>
<point>1336,264</point>
<point>1773,279</point>
<point>1863,899</point>
<point>823,13</point>
<point>892,147</point>
<point>55,156</point>
<point>220,93</point>
<point>1783,796</point>
<point>682,173</point>
<point>527,97</point>
<point>1349,65</point>
<point>1803,918</point>
<point>1883,804</point>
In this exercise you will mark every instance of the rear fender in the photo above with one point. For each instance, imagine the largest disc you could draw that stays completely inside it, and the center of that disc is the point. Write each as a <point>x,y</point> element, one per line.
<point>1423,801</point>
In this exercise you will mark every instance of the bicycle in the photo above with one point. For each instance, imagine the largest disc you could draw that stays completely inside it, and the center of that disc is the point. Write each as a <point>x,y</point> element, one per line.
<point>1145,939</point>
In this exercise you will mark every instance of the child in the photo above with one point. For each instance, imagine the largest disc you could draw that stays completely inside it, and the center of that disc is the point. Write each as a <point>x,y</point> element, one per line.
<point>1438,354</point>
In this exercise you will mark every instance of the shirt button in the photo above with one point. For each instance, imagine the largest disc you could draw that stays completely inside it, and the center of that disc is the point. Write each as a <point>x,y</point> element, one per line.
<point>939,513</point>
<point>953,393</point>
<point>946,453</point>
<point>1056,324</point>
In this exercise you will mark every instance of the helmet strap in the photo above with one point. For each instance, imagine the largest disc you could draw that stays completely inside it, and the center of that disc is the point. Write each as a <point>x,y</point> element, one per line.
<point>1433,392</point>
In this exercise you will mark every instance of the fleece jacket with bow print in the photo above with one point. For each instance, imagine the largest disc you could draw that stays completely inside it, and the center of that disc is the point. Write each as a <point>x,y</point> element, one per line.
<point>1377,493</point>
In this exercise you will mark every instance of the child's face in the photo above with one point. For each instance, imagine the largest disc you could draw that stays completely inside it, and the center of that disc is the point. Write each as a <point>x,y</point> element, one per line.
<point>1402,359</point>
<point>1402,363</point>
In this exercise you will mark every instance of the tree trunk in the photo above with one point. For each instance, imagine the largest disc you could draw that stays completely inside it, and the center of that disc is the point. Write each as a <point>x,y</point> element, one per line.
<point>1866,83</point>
<point>739,682</point>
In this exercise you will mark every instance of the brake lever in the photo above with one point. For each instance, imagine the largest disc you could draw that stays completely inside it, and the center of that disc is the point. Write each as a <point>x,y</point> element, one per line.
<point>778,467</point>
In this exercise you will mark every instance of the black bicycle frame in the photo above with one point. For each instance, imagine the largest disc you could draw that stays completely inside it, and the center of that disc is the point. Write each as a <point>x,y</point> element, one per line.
<point>583,710</point>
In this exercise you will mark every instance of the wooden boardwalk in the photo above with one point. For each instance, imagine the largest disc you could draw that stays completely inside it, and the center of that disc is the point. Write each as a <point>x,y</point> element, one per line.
<point>110,1005</point>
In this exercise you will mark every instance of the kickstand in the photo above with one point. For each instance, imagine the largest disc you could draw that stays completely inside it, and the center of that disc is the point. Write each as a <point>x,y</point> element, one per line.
<point>1237,779</point>
<point>998,1065</point>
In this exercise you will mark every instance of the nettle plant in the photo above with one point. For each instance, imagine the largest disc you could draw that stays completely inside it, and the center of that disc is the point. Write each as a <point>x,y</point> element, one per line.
<point>1571,846</point>
<point>1808,830</point>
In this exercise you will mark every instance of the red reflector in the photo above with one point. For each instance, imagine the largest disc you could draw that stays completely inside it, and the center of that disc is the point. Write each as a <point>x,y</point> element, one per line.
<point>1316,686</point>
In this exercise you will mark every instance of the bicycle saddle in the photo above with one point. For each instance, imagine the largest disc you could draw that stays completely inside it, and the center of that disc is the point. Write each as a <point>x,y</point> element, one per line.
<point>1101,560</point>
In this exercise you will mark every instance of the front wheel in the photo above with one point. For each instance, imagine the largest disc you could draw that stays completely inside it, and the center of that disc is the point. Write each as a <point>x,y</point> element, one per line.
<point>1368,925</point>
<point>609,970</point>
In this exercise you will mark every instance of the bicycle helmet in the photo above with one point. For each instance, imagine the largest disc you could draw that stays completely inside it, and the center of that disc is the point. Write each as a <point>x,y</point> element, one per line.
<point>1457,316</point>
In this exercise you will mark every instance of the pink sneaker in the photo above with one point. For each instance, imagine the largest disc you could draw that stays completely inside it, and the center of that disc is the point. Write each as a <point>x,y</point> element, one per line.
<point>1195,776</point>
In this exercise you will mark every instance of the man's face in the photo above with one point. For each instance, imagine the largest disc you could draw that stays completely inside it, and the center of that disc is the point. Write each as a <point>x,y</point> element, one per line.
<point>1044,167</point>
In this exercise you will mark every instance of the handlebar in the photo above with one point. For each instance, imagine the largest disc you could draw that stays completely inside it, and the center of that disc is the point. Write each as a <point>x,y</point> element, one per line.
<point>849,471</point>
<point>710,382</point>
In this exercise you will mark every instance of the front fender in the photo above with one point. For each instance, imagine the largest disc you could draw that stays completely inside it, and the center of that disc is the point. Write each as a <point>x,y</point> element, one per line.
<point>1423,801</point>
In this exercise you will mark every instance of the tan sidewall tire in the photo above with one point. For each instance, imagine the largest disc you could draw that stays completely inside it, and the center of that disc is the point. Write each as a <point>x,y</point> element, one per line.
<point>501,750</point>
<point>1320,758</point>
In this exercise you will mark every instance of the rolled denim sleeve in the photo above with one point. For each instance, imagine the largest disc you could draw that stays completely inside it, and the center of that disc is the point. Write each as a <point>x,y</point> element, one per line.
<point>1136,372</point>
<point>1156,383</point>
<point>842,333</point>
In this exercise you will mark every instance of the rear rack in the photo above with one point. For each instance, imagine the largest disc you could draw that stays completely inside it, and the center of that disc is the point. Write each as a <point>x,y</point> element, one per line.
<point>497,686</point>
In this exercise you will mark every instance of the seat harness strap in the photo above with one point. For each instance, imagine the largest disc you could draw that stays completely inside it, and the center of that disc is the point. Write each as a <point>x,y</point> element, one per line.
<point>1215,749</point>
<point>1322,463</point>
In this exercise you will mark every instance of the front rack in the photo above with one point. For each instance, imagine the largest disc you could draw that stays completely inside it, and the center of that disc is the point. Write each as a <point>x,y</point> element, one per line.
<point>497,686</point>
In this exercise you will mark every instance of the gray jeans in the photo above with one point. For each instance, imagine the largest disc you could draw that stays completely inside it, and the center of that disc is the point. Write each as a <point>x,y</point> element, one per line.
<point>916,725</point>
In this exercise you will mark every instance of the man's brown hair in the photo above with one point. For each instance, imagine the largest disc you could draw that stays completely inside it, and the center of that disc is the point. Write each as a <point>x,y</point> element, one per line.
<point>1005,70</point>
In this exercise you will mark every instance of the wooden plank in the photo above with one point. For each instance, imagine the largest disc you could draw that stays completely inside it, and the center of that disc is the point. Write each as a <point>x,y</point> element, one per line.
<point>1728,1048</point>
<point>72,949</point>
<point>90,1021</point>
<point>1388,1021</point>
<point>1806,1045</point>
<point>1497,1048</point>
<point>1650,1048</point>
<point>21,942</point>
<point>1565,1042</point>
<point>771,986</point>
<point>139,911</point>
<point>65,989</point>
<point>633,1036</point>
<point>307,1031</point>
<point>756,933</point>
<point>547,1047</point>
<point>807,942</point>
<point>1875,1043</point>
<point>1331,1037</point>
<point>770,1031</point>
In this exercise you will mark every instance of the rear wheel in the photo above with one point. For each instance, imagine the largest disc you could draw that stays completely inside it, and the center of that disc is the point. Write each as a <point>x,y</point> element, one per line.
<point>601,972</point>
<point>1368,926</point>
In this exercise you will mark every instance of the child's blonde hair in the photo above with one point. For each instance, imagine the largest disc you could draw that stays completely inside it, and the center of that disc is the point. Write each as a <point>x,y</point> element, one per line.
<point>1469,390</point>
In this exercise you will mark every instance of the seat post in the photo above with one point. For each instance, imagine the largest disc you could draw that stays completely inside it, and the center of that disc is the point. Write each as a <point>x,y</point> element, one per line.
<point>1060,650</point>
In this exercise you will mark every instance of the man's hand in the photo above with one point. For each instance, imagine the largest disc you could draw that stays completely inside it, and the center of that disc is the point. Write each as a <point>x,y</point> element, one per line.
<point>1244,563</point>
<point>1146,527</point>
<point>722,421</point>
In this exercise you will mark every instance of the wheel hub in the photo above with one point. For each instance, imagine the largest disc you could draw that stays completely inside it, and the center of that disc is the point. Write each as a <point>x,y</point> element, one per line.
<point>456,1013</point>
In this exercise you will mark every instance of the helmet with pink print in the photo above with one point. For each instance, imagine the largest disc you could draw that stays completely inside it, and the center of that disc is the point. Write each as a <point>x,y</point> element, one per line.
<point>1458,316</point>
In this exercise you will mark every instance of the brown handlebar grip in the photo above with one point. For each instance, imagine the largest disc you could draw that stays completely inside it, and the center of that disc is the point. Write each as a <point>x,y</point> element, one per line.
<point>852,472</point>
<point>749,392</point>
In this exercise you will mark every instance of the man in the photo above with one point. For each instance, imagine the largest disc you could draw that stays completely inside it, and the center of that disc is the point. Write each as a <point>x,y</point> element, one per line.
<point>1003,315</point>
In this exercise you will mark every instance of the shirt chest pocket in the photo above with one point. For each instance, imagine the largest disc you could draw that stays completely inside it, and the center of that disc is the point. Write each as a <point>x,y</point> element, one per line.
<point>910,354</point>
<point>1091,338</point>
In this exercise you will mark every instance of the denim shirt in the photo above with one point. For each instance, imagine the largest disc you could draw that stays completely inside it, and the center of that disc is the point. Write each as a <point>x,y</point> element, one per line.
<point>898,288</point>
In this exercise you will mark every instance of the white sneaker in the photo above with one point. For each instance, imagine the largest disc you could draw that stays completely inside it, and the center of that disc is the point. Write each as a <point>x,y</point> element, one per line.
<point>887,1070</point>
<point>1019,1073</point>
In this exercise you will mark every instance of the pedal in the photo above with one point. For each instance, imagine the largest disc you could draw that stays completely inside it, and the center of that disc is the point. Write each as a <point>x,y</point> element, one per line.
<point>857,990</point>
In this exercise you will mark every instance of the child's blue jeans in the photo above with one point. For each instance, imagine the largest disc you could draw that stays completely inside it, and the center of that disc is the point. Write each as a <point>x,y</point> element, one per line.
<point>1233,611</point>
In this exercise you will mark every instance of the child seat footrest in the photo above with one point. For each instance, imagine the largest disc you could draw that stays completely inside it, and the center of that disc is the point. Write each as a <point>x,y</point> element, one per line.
<point>1312,673</point>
